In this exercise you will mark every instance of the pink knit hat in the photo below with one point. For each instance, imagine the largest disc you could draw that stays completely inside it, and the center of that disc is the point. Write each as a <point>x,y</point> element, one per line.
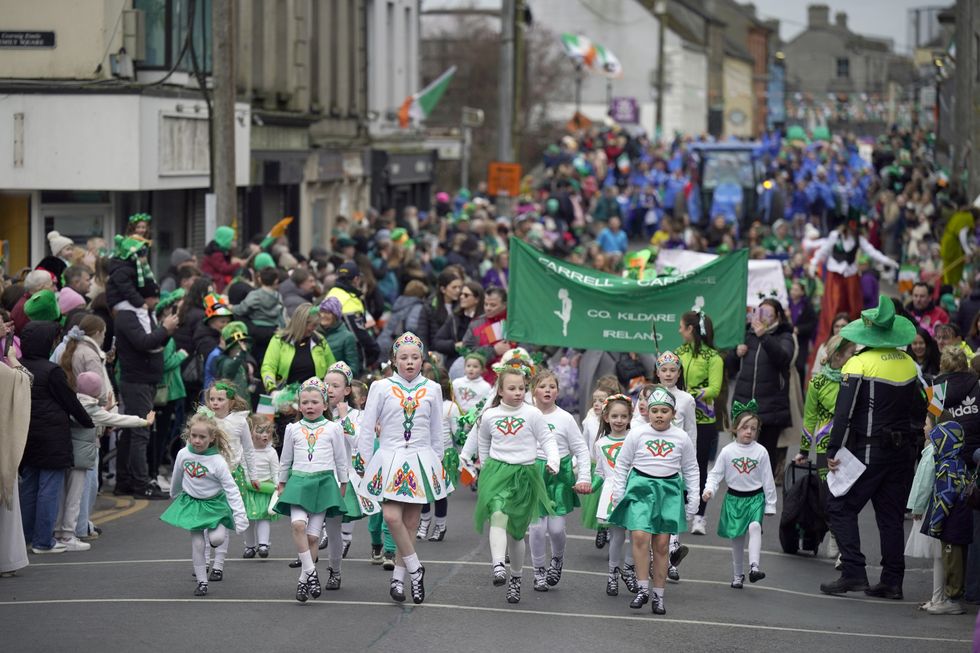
<point>69,300</point>
<point>89,383</point>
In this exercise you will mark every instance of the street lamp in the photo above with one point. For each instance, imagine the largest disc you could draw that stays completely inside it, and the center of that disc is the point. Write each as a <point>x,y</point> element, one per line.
<point>660,11</point>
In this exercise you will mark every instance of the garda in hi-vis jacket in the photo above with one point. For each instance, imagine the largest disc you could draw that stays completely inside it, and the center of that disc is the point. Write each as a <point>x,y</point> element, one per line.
<point>880,408</point>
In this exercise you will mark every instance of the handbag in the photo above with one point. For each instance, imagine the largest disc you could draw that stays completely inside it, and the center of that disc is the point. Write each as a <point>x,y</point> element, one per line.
<point>162,396</point>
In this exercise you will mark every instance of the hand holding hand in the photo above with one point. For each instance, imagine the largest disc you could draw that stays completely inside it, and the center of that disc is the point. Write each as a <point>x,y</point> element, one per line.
<point>583,488</point>
<point>706,496</point>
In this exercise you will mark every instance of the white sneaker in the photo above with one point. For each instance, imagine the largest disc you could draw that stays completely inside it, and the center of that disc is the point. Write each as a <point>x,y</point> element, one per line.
<point>945,607</point>
<point>57,548</point>
<point>75,544</point>
<point>699,525</point>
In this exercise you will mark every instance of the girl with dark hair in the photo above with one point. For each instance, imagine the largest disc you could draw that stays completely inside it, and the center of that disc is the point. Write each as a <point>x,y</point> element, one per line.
<point>449,284</point>
<point>448,341</point>
<point>704,373</point>
<point>925,352</point>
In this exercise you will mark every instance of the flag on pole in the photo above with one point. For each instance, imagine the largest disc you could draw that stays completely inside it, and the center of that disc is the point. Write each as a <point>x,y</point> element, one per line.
<point>579,48</point>
<point>417,107</point>
<point>606,63</point>
<point>936,395</point>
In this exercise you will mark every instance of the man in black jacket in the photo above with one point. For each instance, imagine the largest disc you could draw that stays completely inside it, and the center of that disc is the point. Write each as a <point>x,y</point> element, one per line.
<point>139,350</point>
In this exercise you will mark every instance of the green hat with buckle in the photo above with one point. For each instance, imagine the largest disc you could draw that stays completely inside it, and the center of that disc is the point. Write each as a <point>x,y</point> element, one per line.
<point>234,332</point>
<point>880,327</point>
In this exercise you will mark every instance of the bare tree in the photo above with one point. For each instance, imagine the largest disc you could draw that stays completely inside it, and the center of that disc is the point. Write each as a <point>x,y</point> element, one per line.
<point>472,43</point>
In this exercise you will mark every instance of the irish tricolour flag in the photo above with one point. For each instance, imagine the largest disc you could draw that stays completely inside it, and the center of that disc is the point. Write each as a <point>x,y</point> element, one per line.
<point>417,107</point>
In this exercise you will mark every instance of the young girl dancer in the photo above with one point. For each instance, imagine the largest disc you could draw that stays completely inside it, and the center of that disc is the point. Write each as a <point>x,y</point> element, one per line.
<point>656,465</point>
<point>668,373</point>
<point>450,458</point>
<point>562,487</point>
<point>704,372</point>
<point>312,484</point>
<point>512,489</point>
<point>744,465</point>
<point>406,471</point>
<point>257,537</point>
<point>206,499</point>
<point>617,412</point>
<point>338,381</point>
<point>470,389</point>
<point>590,430</point>
<point>231,412</point>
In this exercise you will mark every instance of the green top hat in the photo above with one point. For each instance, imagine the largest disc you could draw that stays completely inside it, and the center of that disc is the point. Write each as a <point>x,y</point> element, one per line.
<point>262,261</point>
<point>880,327</point>
<point>224,236</point>
<point>42,306</point>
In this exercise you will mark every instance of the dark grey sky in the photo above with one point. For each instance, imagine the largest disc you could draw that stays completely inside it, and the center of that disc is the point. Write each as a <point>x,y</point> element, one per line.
<point>888,18</point>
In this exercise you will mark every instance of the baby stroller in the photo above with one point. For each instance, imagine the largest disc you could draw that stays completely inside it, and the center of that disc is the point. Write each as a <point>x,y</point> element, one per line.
<point>803,523</point>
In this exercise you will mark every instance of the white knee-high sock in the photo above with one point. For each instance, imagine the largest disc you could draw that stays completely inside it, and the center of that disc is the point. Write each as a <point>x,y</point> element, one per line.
<point>738,550</point>
<point>674,543</point>
<point>755,543</point>
<point>335,543</point>
<point>200,563</point>
<point>556,532</point>
<point>536,539</point>
<point>412,563</point>
<point>263,529</point>
<point>498,537</point>
<point>220,548</point>
<point>617,537</point>
<point>306,558</point>
<point>938,580</point>
<point>516,548</point>
<point>347,531</point>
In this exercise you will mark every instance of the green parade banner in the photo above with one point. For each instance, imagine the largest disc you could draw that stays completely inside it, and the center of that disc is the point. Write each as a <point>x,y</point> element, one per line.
<point>552,302</point>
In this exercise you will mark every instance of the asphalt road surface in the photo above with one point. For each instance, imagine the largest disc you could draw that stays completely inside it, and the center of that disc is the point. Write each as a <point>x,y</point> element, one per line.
<point>133,591</point>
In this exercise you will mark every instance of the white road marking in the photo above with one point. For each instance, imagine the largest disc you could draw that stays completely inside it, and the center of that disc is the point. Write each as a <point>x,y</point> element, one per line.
<point>767,588</point>
<point>543,613</point>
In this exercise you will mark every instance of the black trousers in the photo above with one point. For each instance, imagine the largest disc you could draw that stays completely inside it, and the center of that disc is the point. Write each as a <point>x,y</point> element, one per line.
<point>886,485</point>
<point>707,446</point>
<point>132,470</point>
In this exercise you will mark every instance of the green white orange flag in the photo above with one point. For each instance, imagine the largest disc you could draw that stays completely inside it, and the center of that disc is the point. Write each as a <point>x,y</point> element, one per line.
<point>936,395</point>
<point>606,63</point>
<point>579,48</point>
<point>417,107</point>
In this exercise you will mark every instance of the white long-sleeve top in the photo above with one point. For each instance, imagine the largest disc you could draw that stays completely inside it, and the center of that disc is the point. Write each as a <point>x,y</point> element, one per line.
<point>847,242</point>
<point>590,426</point>
<point>513,435</point>
<point>103,418</point>
<point>569,440</point>
<point>745,467</point>
<point>235,425</point>
<point>205,475</point>
<point>351,426</point>
<point>450,421</point>
<point>421,397</point>
<point>606,451</point>
<point>659,454</point>
<point>314,447</point>
<point>469,392</point>
<point>266,464</point>
<point>684,416</point>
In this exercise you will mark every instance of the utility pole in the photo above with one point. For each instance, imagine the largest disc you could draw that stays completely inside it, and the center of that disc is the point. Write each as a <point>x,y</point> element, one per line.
<point>223,108</point>
<point>660,9</point>
<point>505,147</point>
<point>520,61</point>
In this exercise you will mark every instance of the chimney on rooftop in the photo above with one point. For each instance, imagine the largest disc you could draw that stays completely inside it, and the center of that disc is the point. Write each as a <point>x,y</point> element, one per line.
<point>841,19</point>
<point>818,16</point>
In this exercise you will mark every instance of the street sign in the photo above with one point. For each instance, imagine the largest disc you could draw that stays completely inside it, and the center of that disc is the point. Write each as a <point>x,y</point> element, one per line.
<point>25,39</point>
<point>504,179</point>
<point>472,117</point>
<point>625,110</point>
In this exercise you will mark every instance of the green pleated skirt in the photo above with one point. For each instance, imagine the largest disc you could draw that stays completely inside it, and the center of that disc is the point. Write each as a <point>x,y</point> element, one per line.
<point>314,492</point>
<point>256,503</point>
<point>199,514</point>
<point>737,512</point>
<point>517,491</point>
<point>559,487</point>
<point>653,505</point>
<point>590,504</point>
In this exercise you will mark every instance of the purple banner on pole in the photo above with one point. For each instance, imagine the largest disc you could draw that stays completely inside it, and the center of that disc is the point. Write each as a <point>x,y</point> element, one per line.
<point>625,110</point>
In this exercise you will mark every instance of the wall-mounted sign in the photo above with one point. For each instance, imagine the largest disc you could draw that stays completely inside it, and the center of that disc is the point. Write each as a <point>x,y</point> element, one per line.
<point>25,39</point>
<point>625,110</point>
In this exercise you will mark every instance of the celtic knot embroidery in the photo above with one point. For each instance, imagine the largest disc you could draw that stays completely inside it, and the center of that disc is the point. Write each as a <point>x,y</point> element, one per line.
<point>348,426</point>
<point>311,437</point>
<point>435,483</point>
<point>195,469</point>
<point>509,425</point>
<point>357,462</point>
<point>409,399</point>
<point>659,448</point>
<point>611,452</point>
<point>466,395</point>
<point>745,465</point>
<point>374,487</point>
<point>404,483</point>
